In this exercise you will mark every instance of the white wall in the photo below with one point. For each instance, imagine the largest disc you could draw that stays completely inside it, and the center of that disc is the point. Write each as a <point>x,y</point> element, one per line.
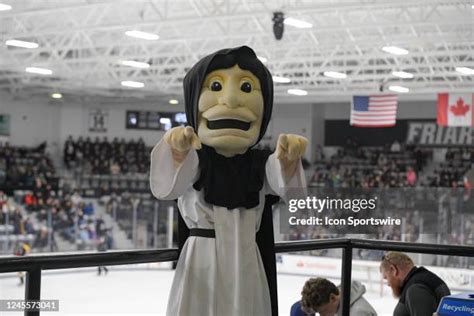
<point>32,121</point>
<point>35,120</point>
<point>292,119</point>
<point>75,120</point>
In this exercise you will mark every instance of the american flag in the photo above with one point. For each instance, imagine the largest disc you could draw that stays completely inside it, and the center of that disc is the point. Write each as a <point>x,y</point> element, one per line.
<point>374,110</point>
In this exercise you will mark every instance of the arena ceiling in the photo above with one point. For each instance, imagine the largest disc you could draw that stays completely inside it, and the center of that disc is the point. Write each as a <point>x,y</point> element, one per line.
<point>83,43</point>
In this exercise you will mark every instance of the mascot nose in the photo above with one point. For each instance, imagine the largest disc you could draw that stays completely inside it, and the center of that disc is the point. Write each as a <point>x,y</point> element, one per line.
<point>229,99</point>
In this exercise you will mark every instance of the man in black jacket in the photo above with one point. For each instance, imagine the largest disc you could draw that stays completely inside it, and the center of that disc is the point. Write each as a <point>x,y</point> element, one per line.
<point>418,289</point>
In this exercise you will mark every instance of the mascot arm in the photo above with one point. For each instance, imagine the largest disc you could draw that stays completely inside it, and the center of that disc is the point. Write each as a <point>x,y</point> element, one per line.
<point>174,164</point>
<point>284,170</point>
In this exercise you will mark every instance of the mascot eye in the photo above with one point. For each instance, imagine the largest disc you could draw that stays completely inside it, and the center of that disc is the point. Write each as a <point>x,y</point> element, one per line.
<point>216,86</point>
<point>246,87</point>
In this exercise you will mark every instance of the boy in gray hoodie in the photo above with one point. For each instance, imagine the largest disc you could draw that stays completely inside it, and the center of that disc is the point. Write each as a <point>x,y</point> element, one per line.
<point>322,296</point>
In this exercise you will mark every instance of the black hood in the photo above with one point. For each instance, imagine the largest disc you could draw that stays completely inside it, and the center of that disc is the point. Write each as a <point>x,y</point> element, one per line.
<point>226,58</point>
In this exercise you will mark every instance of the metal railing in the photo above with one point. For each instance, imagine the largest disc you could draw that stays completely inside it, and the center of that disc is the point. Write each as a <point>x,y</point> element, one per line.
<point>34,264</point>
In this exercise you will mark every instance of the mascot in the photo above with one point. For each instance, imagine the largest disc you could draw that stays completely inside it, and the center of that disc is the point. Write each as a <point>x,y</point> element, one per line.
<point>225,188</point>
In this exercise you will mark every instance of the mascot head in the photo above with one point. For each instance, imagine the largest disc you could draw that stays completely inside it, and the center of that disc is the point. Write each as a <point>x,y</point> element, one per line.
<point>229,100</point>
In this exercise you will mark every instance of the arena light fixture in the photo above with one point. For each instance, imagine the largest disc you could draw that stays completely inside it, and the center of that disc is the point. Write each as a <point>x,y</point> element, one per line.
<point>278,25</point>
<point>135,64</point>
<point>299,92</point>
<point>39,71</point>
<point>398,89</point>
<point>56,95</point>
<point>142,35</point>
<point>335,74</point>
<point>465,70</point>
<point>262,59</point>
<point>173,101</point>
<point>298,23</point>
<point>166,121</point>
<point>23,44</point>
<point>132,84</point>
<point>279,79</point>
<point>394,50</point>
<point>5,7</point>
<point>402,74</point>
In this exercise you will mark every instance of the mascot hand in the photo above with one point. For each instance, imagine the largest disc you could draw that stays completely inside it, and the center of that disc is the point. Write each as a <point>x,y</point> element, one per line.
<point>290,149</point>
<point>181,139</point>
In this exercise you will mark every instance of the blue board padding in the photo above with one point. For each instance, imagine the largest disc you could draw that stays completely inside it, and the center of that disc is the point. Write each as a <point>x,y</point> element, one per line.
<point>457,305</point>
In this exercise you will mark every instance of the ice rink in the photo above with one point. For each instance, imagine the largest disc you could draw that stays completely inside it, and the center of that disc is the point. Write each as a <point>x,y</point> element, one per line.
<point>138,292</point>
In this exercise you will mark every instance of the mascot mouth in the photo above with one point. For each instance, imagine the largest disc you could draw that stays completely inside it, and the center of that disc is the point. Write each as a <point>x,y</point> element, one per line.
<point>228,123</point>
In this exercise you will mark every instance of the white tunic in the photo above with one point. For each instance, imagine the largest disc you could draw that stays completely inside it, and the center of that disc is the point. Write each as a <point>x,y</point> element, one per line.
<point>223,275</point>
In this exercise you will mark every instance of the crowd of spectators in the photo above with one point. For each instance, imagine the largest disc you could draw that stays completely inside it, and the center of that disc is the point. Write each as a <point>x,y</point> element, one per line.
<point>120,207</point>
<point>12,215</point>
<point>71,217</point>
<point>353,166</point>
<point>16,228</point>
<point>397,166</point>
<point>452,172</point>
<point>392,166</point>
<point>106,157</point>
<point>21,166</point>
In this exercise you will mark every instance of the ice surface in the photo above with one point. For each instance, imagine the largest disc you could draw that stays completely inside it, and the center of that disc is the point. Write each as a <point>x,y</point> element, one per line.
<point>136,292</point>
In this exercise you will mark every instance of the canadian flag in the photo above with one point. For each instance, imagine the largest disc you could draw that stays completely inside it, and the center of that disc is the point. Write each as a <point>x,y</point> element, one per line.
<point>455,109</point>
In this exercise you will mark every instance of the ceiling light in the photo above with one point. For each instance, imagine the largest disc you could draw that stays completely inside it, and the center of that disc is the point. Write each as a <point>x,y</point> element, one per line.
<point>262,59</point>
<point>23,44</point>
<point>398,89</point>
<point>335,74</point>
<point>173,101</point>
<point>56,95</point>
<point>132,84</point>
<point>395,50</point>
<point>135,64</point>
<point>297,92</point>
<point>5,7</point>
<point>40,71</point>
<point>465,70</point>
<point>279,79</point>
<point>298,23</point>
<point>142,35</point>
<point>402,74</point>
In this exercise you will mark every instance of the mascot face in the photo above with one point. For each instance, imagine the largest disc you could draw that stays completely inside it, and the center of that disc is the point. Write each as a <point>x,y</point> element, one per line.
<point>230,110</point>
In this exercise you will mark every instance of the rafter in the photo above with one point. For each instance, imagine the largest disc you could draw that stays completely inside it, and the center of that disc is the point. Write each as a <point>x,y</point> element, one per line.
<point>84,41</point>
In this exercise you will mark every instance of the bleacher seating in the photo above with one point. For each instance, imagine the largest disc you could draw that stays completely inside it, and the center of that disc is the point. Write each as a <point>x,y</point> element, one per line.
<point>368,167</point>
